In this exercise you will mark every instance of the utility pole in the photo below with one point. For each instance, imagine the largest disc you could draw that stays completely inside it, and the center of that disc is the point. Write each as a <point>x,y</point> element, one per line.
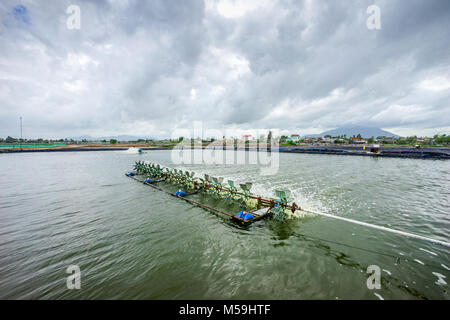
<point>20,134</point>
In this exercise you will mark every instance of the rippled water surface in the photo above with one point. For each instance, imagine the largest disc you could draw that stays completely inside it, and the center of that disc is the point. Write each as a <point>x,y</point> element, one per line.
<point>131,241</point>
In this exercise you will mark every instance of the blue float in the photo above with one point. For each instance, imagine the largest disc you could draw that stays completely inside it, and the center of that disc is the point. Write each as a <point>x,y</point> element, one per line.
<point>180,193</point>
<point>245,215</point>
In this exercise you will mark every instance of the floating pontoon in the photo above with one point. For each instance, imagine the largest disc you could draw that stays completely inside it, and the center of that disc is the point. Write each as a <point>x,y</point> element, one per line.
<point>152,174</point>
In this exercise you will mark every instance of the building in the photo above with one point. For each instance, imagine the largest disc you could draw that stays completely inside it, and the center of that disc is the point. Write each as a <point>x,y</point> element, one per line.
<point>324,140</point>
<point>388,140</point>
<point>294,138</point>
<point>358,141</point>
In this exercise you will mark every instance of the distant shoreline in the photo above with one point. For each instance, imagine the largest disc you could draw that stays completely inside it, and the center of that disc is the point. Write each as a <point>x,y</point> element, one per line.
<point>389,152</point>
<point>73,149</point>
<point>386,152</point>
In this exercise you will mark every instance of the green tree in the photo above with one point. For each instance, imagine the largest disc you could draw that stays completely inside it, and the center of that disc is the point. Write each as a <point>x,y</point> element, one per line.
<point>113,141</point>
<point>10,139</point>
<point>441,139</point>
<point>411,140</point>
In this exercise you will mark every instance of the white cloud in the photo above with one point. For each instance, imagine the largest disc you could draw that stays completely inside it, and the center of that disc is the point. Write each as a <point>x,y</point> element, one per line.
<point>435,84</point>
<point>81,60</point>
<point>148,67</point>
<point>235,8</point>
<point>75,86</point>
<point>193,94</point>
<point>404,114</point>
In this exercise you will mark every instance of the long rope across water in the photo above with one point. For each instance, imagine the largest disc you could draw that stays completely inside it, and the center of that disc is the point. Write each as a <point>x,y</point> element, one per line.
<point>374,226</point>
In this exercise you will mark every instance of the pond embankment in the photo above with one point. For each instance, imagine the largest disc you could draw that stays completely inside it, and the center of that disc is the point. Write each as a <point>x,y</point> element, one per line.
<point>388,151</point>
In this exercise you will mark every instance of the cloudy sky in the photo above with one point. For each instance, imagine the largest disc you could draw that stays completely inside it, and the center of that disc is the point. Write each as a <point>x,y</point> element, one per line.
<point>147,68</point>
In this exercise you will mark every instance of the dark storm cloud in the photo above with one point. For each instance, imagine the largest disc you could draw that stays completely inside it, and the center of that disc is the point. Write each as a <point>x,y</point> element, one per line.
<point>149,67</point>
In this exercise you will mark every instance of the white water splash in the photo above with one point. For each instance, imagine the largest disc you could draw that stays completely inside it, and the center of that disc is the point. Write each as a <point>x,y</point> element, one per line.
<point>440,281</point>
<point>378,296</point>
<point>418,261</point>
<point>133,150</point>
<point>265,190</point>
<point>430,252</point>
<point>387,271</point>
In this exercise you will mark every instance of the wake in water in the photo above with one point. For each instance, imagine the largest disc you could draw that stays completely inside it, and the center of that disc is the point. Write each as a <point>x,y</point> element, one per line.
<point>268,191</point>
<point>134,150</point>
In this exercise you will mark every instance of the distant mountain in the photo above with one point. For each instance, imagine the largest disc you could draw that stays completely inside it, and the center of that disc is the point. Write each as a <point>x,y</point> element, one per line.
<point>365,132</point>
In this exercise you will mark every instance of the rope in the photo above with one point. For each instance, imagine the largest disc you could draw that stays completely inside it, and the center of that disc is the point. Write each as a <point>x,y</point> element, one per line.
<point>374,226</point>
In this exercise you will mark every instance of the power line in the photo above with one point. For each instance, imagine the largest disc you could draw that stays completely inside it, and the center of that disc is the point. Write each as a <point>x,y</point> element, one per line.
<point>21,139</point>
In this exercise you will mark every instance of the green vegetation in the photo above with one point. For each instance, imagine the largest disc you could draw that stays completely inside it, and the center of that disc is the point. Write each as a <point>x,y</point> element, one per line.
<point>413,141</point>
<point>441,139</point>
<point>288,143</point>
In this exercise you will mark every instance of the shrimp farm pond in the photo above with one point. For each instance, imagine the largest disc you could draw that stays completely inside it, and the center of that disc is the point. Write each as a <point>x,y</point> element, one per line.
<point>132,241</point>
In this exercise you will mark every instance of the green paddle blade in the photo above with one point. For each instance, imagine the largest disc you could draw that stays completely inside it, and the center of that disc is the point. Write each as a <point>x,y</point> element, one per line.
<point>246,186</point>
<point>282,193</point>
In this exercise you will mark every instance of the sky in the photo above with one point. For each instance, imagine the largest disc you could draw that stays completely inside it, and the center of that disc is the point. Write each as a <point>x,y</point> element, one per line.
<point>152,68</point>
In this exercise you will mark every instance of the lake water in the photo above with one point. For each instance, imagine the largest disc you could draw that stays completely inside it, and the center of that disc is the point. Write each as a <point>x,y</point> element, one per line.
<point>133,242</point>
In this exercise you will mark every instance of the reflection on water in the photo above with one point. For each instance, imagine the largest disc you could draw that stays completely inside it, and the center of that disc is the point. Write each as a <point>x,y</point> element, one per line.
<point>132,241</point>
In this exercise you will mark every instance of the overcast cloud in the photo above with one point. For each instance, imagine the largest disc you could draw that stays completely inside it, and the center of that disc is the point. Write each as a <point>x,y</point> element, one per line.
<point>146,68</point>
